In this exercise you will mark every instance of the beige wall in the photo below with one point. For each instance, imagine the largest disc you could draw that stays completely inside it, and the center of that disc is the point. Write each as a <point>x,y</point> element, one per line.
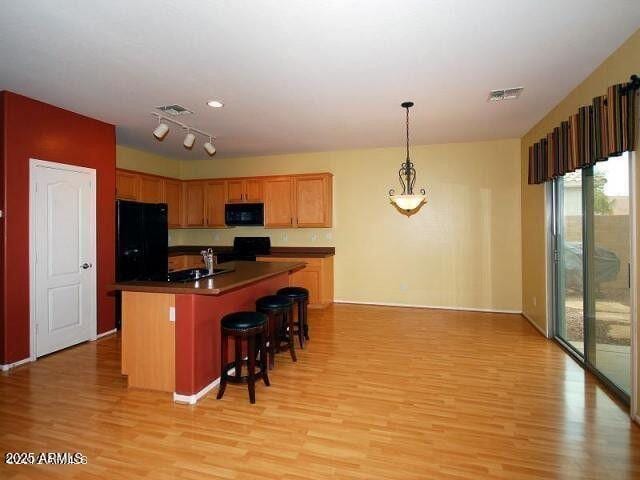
<point>616,69</point>
<point>462,250</point>
<point>140,161</point>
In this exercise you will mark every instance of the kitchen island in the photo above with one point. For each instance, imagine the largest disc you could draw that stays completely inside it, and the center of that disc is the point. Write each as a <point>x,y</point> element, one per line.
<point>171,330</point>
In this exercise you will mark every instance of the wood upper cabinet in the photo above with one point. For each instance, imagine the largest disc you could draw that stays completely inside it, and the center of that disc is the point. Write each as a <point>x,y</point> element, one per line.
<point>278,202</point>
<point>127,185</point>
<point>313,200</point>
<point>173,199</point>
<point>290,201</point>
<point>235,191</point>
<point>254,190</point>
<point>245,190</point>
<point>194,210</point>
<point>150,189</point>
<point>215,197</point>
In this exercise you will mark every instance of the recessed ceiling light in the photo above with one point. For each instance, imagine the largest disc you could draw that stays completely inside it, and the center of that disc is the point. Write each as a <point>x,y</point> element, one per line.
<point>215,104</point>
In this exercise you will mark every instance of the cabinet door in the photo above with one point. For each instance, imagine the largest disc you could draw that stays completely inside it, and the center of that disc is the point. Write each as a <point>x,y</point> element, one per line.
<point>127,185</point>
<point>150,189</point>
<point>235,191</point>
<point>215,193</point>
<point>278,202</point>
<point>254,190</point>
<point>309,278</point>
<point>313,202</point>
<point>194,204</point>
<point>173,199</point>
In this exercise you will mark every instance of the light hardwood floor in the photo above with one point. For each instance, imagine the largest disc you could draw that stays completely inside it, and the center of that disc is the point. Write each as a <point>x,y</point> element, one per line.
<point>379,393</point>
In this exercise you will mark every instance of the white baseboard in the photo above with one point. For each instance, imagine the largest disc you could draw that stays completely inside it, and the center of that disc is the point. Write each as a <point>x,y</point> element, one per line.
<point>104,334</point>
<point>536,326</point>
<point>434,307</point>
<point>193,399</point>
<point>9,366</point>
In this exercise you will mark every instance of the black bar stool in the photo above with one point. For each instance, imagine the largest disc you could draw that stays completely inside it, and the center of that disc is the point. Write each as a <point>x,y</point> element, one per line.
<point>299,296</point>
<point>252,327</point>
<point>280,324</point>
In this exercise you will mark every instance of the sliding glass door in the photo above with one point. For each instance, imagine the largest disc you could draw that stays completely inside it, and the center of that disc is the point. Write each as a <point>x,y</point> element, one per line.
<point>592,266</point>
<point>568,256</point>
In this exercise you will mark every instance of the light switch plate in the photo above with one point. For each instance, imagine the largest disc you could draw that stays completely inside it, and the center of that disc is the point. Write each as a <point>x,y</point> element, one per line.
<point>172,314</point>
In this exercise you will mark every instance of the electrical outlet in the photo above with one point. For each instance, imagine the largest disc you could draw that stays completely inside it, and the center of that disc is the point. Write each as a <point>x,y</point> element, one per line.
<point>216,237</point>
<point>314,237</point>
<point>328,236</point>
<point>284,236</point>
<point>404,287</point>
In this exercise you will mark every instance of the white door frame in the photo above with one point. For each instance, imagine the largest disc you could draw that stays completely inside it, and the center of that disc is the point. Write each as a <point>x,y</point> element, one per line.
<point>33,164</point>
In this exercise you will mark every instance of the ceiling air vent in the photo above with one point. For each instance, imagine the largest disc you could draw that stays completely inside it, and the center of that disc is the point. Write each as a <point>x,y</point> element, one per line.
<point>174,110</point>
<point>505,94</point>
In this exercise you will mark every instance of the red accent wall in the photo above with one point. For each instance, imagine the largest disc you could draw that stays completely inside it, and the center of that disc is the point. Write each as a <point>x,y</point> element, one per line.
<point>34,129</point>
<point>198,330</point>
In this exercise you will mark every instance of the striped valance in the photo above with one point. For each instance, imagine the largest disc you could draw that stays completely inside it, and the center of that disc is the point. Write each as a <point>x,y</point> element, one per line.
<point>604,129</point>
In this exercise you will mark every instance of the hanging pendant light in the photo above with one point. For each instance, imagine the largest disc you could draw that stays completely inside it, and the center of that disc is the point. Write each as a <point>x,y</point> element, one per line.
<point>407,201</point>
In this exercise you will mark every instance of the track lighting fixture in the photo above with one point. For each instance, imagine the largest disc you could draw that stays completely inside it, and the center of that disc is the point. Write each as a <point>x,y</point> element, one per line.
<point>209,148</point>
<point>161,130</point>
<point>189,140</point>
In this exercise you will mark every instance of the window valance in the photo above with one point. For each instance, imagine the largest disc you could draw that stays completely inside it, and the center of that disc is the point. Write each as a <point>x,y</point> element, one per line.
<point>606,128</point>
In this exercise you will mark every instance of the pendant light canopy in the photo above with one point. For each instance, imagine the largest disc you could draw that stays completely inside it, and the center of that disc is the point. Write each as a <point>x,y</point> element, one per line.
<point>407,201</point>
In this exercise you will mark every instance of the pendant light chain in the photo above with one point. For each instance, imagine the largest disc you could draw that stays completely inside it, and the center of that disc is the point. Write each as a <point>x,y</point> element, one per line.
<point>407,123</point>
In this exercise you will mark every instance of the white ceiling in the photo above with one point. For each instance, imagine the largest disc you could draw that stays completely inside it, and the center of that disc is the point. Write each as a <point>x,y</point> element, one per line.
<point>308,75</point>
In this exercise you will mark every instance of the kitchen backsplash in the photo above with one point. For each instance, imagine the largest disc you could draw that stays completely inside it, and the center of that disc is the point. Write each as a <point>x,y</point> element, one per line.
<point>294,237</point>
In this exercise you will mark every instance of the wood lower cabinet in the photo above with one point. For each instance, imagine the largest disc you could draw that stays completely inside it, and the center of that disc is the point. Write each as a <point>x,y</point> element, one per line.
<point>127,185</point>
<point>317,277</point>
<point>194,209</point>
<point>173,199</point>
<point>278,202</point>
<point>215,196</point>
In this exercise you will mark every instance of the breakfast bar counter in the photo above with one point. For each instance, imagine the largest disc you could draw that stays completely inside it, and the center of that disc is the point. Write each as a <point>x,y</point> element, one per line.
<point>171,330</point>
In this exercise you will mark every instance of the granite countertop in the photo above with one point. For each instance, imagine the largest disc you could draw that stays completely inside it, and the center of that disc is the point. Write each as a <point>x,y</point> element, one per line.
<point>292,252</point>
<point>244,273</point>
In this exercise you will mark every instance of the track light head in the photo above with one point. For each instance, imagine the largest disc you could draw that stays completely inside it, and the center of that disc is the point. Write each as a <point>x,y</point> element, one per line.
<point>209,148</point>
<point>189,140</point>
<point>161,130</point>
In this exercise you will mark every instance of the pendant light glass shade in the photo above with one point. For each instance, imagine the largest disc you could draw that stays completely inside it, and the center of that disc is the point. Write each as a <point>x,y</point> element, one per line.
<point>407,202</point>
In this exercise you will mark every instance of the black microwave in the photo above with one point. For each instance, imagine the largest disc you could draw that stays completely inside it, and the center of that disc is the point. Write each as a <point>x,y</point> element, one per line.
<point>236,214</point>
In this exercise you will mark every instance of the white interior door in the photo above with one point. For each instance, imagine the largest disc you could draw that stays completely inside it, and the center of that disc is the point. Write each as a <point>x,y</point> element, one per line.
<point>63,283</point>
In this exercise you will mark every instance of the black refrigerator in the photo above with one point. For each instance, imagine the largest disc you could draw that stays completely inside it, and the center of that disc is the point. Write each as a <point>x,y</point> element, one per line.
<point>142,239</point>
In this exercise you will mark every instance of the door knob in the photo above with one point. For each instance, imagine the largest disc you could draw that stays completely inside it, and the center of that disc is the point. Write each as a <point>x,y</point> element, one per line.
<point>86,265</point>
